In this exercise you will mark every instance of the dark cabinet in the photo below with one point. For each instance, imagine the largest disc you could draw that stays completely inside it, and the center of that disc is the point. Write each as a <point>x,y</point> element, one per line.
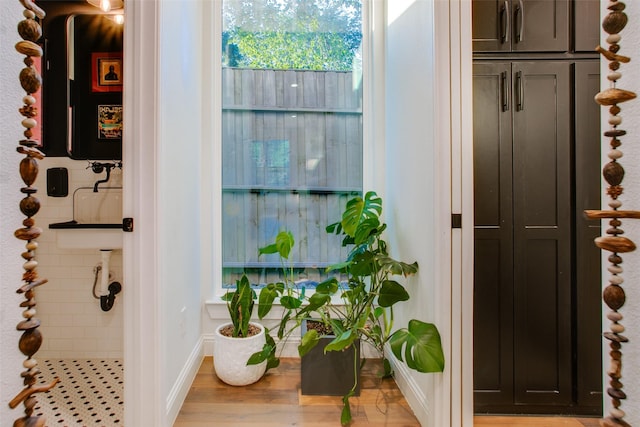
<point>537,280</point>
<point>522,171</point>
<point>588,286</point>
<point>521,25</point>
<point>529,237</point>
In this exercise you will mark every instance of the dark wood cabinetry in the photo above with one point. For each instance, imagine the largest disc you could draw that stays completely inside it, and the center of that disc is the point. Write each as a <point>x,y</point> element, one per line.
<point>537,340</point>
<point>521,25</point>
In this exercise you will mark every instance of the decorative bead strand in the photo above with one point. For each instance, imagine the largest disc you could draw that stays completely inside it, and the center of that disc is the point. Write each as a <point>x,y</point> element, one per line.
<point>31,340</point>
<point>613,173</point>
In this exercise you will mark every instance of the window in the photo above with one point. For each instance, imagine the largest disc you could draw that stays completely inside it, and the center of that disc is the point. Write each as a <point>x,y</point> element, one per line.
<point>292,130</point>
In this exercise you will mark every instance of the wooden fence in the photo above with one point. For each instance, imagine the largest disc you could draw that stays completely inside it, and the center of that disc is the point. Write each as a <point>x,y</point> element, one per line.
<point>292,157</point>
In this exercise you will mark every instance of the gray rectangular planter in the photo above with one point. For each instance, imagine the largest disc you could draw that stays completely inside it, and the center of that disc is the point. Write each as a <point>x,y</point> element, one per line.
<point>329,374</point>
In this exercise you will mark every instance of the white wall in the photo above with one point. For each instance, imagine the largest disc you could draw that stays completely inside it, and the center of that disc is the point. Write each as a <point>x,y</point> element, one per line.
<point>179,182</point>
<point>417,176</point>
<point>630,46</point>
<point>10,196</point>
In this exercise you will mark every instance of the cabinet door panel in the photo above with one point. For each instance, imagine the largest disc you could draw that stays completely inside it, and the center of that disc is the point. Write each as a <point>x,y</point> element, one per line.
<point>587,25</point>
<point>493,319</point>
<point>491,30</point>
<point>540,25</point>
<point>521,25</point>
<point>542,233</point>
<point>588,256</point>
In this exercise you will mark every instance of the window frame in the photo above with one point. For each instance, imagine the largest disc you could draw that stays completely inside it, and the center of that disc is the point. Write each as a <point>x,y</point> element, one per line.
<point>373,127</point>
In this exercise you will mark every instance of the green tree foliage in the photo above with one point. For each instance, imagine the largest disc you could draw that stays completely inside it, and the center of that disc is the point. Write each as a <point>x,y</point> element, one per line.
<point>292,34</point>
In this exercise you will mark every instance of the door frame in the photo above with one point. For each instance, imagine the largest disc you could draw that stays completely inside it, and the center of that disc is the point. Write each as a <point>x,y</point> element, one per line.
<point>143,356</point>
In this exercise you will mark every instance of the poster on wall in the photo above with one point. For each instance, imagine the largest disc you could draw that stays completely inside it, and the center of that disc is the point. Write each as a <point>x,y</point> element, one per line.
<point>106,71</point>
<point>109,122</point>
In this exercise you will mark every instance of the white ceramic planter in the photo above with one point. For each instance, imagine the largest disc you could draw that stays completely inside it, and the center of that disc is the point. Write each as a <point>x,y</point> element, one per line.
<point>230,357</point>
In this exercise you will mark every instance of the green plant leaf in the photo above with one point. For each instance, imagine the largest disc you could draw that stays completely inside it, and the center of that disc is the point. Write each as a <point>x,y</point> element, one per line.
<point>397,267</point>
<point>268,353</point>
<point>309,340</point>
<point>345,415</point>
<point>328,287</point>
<point>268,294</point>
<point>421,344</point>
<point>269,249</point>
<point>289,302</point>
<point>341,341</point>
<point>335,228</point>
<point>387,372</point>
<point>336,326</point>
<point>240,306</point>
<point>363,264</point>
<point>283,324</point>
<point>391,292</point>
<point>358,211</point>
<point>316,301</point>
<point>341,266</point>
<point>284,243</point>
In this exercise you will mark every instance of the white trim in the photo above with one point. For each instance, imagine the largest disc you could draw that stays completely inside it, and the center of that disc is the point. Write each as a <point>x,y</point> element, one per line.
<point>461,359</point>
<point>373,102</point>
<point>413,393</point>
<point>464,105</point>
<point>142,337</point>
<point>181,387</point>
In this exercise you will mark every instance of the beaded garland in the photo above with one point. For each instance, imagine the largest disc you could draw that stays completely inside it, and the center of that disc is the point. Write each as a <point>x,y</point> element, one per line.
<point>613,173</point>
<point>30,31</point>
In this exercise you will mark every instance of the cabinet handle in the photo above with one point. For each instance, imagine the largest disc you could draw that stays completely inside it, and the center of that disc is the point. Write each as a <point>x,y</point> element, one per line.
<point>520,92</point>
<point>504,90</point>
<point>504,22</point>
<point>518,17</point>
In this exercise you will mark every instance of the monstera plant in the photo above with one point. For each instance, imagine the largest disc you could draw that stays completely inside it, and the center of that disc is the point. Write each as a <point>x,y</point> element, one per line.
<point>360,308</point>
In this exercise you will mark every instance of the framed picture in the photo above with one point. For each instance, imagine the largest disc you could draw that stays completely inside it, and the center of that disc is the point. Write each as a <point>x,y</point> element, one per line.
<point>109,122</point>
<point>106,70</point>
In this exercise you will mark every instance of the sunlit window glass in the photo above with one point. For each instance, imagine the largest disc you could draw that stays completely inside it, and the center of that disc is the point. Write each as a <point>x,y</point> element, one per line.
<point>291,131</point>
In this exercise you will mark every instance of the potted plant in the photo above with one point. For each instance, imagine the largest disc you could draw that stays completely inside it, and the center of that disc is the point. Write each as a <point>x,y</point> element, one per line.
<point>364,307</point>
<point>242,351</point>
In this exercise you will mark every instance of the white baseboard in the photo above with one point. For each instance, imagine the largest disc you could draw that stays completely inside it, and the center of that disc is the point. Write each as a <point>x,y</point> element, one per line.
<point>412,392</point>
<point>181,387</point>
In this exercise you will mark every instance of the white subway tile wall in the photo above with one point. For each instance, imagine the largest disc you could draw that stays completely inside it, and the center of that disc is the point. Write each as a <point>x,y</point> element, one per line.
<point>73,324</point>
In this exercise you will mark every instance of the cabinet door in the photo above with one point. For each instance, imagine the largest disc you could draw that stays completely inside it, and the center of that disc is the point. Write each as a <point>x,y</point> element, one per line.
<point>493,272</point>
<point>542,233</point>
<point>587,25</point>
<point>491,21</point>
<point>520,25</point>
<point>588,256</point>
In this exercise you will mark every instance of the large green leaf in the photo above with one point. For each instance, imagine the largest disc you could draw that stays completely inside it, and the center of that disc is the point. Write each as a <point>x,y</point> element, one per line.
<point>290,302</point>
<point>282,246</point>
<point>240,306</point>
<point>342,341</point>
<point>363,264</point>
<point>268,294</point>
<point>358,211</point>
<point>309,340</point>
<point>396,267</point>
<point>392,292</point>
<point>268,353</point>
<point>328,287</point>
<point>421,344</point>
<point>316,301</point>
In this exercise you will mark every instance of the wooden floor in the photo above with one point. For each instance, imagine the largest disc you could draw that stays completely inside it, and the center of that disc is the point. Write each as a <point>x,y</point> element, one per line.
<point>275,401</point>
